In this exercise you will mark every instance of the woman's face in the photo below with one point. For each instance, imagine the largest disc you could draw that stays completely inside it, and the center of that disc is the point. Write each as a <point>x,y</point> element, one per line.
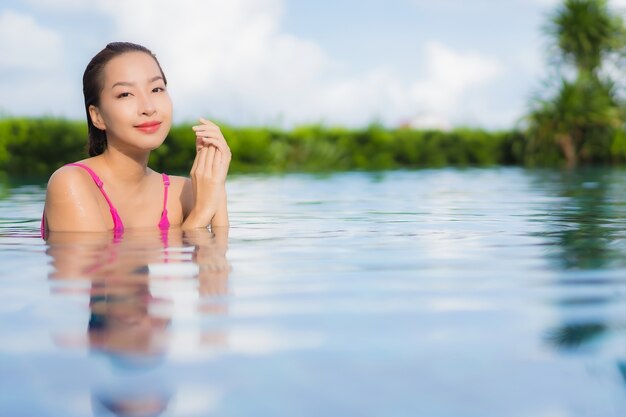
<point>135,108</point>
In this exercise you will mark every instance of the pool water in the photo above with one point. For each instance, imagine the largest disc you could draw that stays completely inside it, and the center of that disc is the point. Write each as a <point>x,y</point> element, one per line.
<point>446,292</point>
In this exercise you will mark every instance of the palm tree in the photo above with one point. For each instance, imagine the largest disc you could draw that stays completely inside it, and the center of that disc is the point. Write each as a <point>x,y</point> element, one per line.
<point>585,34</point>
<point>583,111</point>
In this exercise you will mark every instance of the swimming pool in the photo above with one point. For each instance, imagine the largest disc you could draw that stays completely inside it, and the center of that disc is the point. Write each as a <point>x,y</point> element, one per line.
<point>447,292</point>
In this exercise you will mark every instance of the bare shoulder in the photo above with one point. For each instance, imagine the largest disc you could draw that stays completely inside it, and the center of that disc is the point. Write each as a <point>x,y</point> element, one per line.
<point>68,177</point>
<point>71,202</point>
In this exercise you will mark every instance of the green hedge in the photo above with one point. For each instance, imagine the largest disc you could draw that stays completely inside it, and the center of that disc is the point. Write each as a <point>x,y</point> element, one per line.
<point>37,146</point>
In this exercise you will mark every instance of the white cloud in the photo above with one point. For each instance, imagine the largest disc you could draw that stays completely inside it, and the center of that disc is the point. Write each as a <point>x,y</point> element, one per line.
<point>41,95</point>
<point>231,60</point>
<point>56,4</point>
<point>234,62</point>
<point>25,45</point>
<point>224,57</point>
<point>31,64</point>
<point>451,75</point>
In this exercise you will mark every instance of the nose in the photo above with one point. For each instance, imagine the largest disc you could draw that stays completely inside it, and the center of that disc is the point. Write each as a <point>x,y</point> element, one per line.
<point>146,106</point>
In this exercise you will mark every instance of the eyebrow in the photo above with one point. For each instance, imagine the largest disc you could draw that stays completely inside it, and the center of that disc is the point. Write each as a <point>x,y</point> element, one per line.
<point>130,84</point>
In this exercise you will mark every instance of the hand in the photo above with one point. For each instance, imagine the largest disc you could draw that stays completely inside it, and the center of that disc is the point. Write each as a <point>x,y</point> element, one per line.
<point>215,162</point>
<point>208,176</point>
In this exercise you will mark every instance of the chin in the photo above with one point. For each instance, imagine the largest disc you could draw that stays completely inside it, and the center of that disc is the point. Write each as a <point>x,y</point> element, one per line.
<point>156,142</point>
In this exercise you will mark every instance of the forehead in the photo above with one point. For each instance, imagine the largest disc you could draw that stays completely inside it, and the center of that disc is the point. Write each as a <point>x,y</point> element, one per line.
<point>130,67</point>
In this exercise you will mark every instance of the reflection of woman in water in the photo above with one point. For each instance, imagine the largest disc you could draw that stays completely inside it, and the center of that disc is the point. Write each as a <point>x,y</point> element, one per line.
<point>128,325</point>
<point>119,272</point>
<point>129,113</point>
<point>122,328</point>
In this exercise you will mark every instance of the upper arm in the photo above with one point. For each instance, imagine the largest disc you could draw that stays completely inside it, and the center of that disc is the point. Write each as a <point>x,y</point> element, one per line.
<point>71,204</point>
<point>184,191</point>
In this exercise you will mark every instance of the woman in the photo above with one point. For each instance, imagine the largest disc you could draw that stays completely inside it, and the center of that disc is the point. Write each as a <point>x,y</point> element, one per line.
<point>129,113</point>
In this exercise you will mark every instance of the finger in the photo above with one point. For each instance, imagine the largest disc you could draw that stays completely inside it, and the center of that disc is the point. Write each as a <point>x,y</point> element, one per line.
<point>206,140</point>
<point>217,163</point>
<point>210,127</point>
<point>201,157</point>
<point>200,135</point>
<point>210,157</point>
<point>207,135</point>
<point>206,125</point>
<point>210,133</point>
<point>194,167</point>
<point>219,144</point>
<point>203,141</point>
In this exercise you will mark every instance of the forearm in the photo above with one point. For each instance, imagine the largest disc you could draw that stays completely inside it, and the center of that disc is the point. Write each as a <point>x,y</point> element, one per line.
<point>208,178</point>
<point>205,211</point>
<point>220,218</point>
<point>194,220</point>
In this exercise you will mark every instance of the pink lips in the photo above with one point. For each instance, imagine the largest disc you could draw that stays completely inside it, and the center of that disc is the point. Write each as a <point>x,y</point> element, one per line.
<point>149,127</point>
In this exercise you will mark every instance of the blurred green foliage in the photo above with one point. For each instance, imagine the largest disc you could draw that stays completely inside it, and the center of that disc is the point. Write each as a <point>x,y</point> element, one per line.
<point>582,119</point>
<point>38,146</point>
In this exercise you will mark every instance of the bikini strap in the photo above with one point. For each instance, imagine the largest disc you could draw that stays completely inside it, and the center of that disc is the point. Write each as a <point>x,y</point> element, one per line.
<point>164,223</point>
<point>118,226</point>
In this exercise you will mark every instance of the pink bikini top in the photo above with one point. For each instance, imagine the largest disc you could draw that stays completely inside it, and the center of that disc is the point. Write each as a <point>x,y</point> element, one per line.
<point>118,226</point>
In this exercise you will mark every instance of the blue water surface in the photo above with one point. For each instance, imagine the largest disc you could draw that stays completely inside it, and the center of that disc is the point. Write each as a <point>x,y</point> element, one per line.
<point>446,292</point>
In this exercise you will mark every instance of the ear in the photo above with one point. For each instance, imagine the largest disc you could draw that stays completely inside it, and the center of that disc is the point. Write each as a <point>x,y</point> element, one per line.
<point>96,117</point>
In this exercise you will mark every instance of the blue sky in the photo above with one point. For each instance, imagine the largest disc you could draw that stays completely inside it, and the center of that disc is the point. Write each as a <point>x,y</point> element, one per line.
<point>287,62</point>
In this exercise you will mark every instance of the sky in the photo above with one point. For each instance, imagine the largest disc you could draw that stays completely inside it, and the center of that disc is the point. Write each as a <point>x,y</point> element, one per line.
<point>441,64</point>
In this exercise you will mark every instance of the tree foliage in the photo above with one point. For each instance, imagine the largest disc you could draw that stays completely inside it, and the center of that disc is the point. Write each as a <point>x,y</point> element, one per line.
<point>583,118</point>
<point>39,146</point>
<point>585,32</point>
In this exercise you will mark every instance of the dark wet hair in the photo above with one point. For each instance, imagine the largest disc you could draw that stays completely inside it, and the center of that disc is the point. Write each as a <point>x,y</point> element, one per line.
<point>93,79</point>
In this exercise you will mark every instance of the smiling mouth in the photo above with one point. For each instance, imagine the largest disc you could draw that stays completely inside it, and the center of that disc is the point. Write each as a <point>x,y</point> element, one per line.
<point>149,127</point>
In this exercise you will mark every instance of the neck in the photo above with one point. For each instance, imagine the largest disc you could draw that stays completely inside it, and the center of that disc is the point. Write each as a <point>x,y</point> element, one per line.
<point>124,167</point>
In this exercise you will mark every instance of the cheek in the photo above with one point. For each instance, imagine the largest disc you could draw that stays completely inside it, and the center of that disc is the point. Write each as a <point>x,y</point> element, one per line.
<point>113,112</point>
<point>165,110</point>
<point>167,104</point>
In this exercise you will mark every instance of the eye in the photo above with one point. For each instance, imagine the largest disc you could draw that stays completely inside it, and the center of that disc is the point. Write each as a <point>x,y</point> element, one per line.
<point>158,89</point>
<point>124,94</point>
